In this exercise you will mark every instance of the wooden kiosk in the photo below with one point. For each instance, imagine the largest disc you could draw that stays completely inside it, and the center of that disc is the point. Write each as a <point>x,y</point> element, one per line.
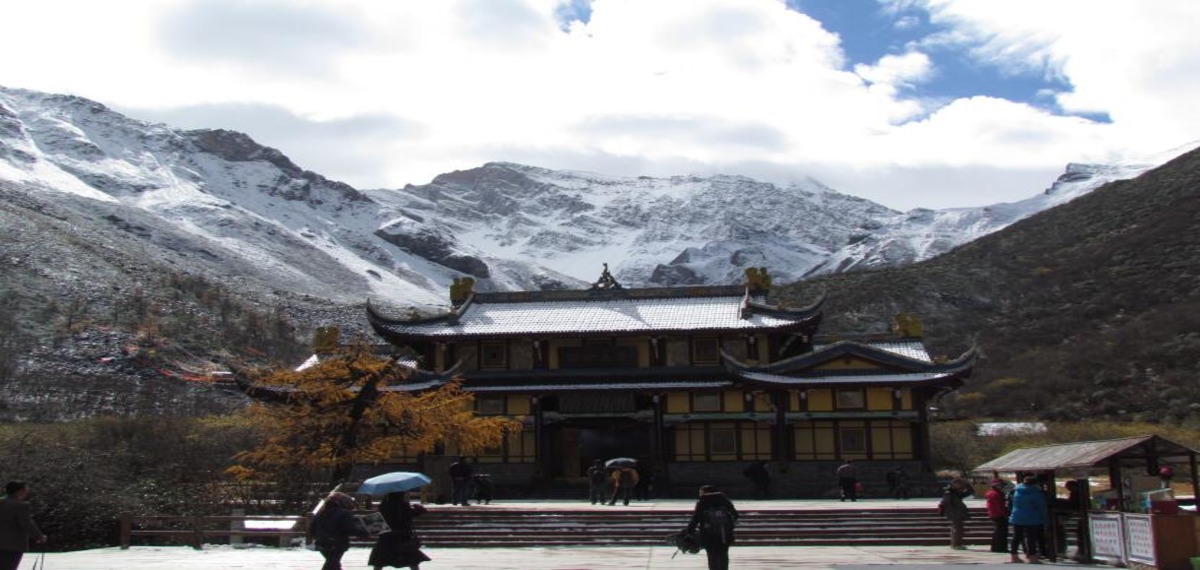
<point>1124,512</point>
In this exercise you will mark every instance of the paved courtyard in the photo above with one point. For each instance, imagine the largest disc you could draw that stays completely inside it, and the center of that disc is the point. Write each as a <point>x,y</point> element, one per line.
<point>224,557</point>
<point>565,558</point>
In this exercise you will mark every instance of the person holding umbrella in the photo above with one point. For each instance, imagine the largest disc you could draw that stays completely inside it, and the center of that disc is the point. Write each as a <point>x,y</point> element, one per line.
<point>333,526</point>
<point>398,547</point>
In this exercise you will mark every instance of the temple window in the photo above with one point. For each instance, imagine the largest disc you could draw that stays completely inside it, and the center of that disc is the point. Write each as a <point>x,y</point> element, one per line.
<point>706,402</point>
<point>493,355</point>
<point>852,440</point>
<point>723,442</point>
<point>490,405</point>
<point>705,350</point>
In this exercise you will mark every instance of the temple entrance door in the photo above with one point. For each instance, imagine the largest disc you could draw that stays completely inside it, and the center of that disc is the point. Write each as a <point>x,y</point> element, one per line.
<point>603,440</point>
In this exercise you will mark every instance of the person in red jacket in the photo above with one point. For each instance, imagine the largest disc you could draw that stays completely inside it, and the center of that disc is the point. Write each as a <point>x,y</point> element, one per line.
<point>997,512</point>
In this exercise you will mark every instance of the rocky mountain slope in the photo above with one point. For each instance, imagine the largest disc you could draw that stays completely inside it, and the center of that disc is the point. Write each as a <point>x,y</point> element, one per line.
<point>136,255</point>
<point>1087,310</point>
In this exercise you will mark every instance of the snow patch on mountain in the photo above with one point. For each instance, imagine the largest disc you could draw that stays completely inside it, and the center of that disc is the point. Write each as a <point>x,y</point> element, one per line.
<point>233,205</point>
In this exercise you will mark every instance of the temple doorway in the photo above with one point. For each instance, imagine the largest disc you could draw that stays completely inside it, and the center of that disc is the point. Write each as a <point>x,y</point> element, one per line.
<point>584,442</point>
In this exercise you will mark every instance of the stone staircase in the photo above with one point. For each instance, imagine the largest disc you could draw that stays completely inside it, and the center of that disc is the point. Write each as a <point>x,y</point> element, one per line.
<point>495,526</point>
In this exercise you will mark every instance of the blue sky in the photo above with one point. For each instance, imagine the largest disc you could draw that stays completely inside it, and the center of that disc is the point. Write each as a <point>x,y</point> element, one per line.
<point>870,30</point>
<point>911,103</point>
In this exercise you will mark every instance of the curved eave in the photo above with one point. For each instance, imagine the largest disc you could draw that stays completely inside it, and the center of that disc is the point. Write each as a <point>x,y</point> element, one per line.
<point>606,387</point>
<point>417,381</point>
<point>812,311</point>
<point>844,348</point>
<point>950,375</point>
<point>908,380</point>
<point>378,320</point>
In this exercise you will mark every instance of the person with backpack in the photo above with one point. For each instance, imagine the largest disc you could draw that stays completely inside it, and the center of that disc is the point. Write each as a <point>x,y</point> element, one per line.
<point>713,520</point>
<point>333,526</point>
<point>597,481</point>
<point>955,510</point>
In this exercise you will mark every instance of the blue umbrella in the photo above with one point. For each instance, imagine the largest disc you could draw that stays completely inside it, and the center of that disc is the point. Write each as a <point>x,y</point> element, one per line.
<point>393,482</point>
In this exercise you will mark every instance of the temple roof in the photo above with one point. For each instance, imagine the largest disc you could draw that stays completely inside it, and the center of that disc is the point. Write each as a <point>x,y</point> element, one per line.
<point>904,361</point>
<point>607,312</point>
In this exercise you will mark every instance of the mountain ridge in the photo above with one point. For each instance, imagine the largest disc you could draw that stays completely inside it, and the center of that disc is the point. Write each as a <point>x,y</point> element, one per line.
<point>168,251</point>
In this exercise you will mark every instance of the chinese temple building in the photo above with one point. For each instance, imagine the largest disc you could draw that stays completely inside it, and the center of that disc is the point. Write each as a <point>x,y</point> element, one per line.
<point>694,382</point>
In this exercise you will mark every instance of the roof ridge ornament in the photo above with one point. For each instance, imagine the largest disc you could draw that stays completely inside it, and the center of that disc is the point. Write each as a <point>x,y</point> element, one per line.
<point>461,290</point>
<point>606,281</point>
<point>758,280</point>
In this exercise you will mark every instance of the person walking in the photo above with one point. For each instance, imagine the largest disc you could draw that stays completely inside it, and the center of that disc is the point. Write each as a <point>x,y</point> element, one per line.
<point>848,480</point>
<point>17,528</point>
<point>997,512</point>
<point>624,480</point>
<point>597,481</point>
<point>460,481</point>
<point>645,478</point>
<point>900,479</point>
<point>1029,513</point>
<point>955,510</point>
<point>760,478</point>
<point>333,526</point>
<point>713,520</point>
<point>399,546</point>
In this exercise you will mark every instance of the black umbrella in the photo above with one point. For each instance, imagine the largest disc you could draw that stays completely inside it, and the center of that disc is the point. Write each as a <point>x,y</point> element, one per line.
<point>620,462</point>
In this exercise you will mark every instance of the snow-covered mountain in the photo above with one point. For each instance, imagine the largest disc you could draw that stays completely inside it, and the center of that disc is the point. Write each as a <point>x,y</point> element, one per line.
<point>235,206</point>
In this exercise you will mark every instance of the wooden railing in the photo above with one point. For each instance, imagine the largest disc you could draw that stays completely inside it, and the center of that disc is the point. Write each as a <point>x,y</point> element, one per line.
<point>196,530</point>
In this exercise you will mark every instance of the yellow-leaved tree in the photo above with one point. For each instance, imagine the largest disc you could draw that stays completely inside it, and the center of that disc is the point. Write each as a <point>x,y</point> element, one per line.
<point>353,407</point>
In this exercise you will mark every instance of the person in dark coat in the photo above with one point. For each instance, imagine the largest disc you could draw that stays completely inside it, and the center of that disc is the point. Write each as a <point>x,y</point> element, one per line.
<point>460,481</point>
<point>713,520</point>
<point>759,477</point>
<point>333,526</point>
<point>899,483</point>
<point>17,528</point>
<point>399,546</point>
<point>597,481</point>
<point>955,510</point>
<point>848,480</point>
<point>644,479</point>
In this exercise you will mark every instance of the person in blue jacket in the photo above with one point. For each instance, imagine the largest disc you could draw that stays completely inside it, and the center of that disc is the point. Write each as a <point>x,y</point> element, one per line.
<point>1029,512</point>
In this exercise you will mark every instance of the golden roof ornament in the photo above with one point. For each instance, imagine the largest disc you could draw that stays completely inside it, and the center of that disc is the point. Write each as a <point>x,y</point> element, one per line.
<point>461,290</point>
<point>908,325</point>
<point>757,279</point>
<point>325,339</point>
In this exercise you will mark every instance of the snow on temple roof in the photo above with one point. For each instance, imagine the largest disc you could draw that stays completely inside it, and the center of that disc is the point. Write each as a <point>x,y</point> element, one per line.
<point>602,314</point>
<point>913,349</point>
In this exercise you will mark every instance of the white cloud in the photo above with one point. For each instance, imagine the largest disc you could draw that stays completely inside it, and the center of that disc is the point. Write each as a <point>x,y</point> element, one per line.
<point>740,86</point>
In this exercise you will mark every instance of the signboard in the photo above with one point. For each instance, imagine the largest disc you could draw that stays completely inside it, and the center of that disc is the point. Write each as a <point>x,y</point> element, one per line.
<point>1139,539</point>
<point>1108,537</point>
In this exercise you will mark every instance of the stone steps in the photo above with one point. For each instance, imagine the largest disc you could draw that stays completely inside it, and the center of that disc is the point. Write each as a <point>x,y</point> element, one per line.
<point>487,527</point>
